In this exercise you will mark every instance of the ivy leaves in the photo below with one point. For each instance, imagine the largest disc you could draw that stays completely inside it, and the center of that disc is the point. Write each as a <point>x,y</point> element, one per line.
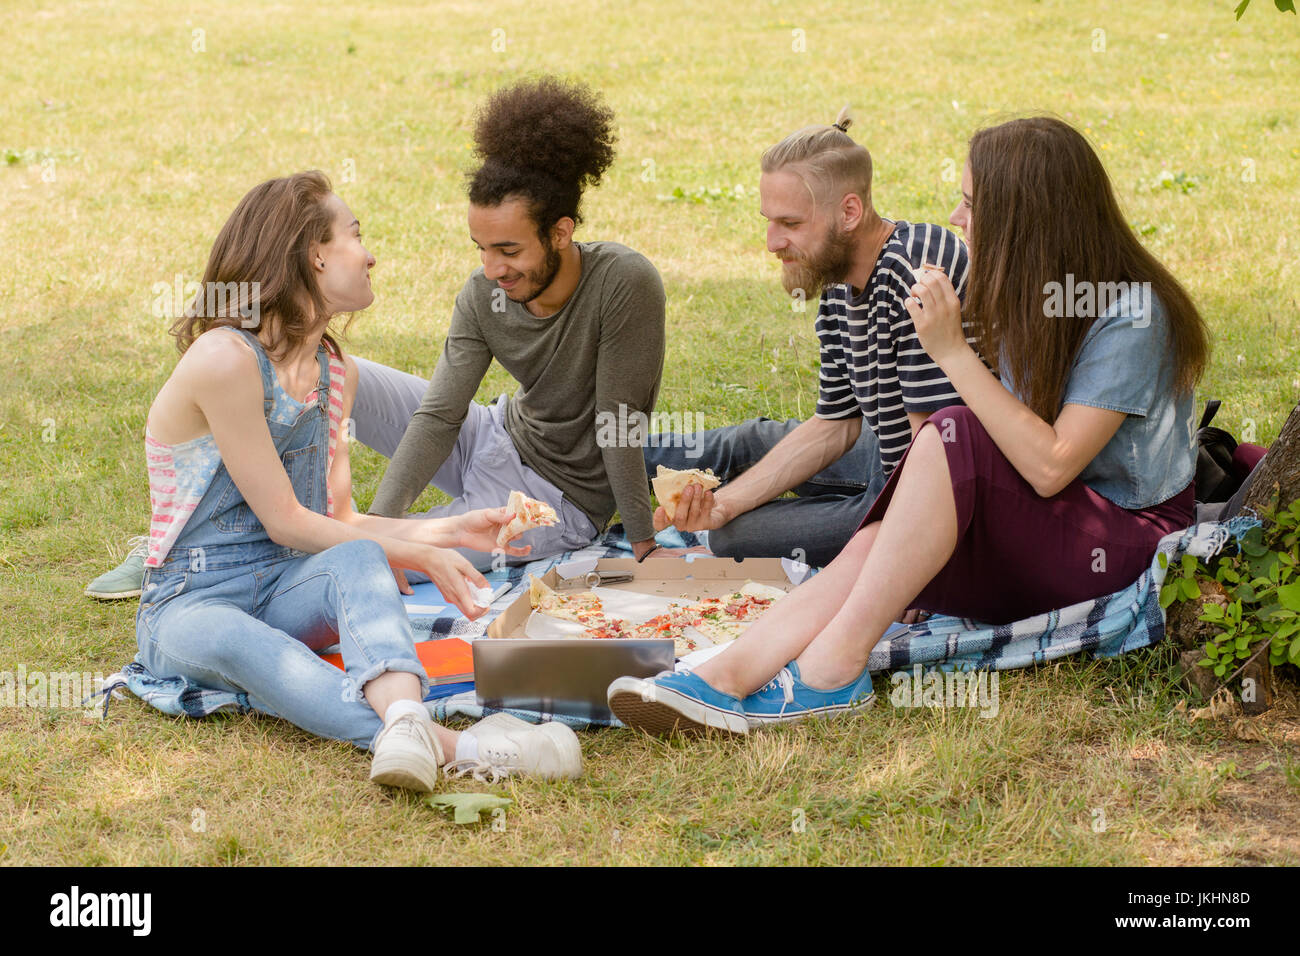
<point>1261,584</point>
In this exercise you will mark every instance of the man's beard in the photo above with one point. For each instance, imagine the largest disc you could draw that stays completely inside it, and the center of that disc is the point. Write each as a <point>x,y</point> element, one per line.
<point>542,278</point>
<point>827,265</point>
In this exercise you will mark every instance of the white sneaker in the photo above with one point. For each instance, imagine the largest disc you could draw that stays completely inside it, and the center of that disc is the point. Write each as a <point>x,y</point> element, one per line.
<point>407,754</point>
<point>508,745</point>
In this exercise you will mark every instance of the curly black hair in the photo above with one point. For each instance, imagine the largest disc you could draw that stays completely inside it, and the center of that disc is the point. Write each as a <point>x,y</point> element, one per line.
<point>545,140</point>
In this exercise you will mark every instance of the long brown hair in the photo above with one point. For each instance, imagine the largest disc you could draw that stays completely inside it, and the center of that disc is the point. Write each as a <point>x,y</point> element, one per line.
<point>263,253</point>
<point>1042,208</point>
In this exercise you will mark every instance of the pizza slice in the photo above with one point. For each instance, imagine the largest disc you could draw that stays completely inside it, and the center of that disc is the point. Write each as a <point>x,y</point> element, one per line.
<point>579,607</point>
<point>724,619</point>
<point>527,513</point>
<point>754,589</point>
<point>917,270</point>
<point>711,620</point>
<point>602,627</point>
<point>672,624</point>
<point>669,484</point>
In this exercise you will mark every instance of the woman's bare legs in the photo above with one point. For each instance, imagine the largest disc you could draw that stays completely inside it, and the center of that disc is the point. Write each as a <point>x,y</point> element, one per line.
<point>393,686</point>
<point>917,536</point>
<point>781,635</point>
<point>831,623</point>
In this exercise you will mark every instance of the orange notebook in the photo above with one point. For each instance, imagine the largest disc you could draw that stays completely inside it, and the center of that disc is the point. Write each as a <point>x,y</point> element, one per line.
<point>446,661</point>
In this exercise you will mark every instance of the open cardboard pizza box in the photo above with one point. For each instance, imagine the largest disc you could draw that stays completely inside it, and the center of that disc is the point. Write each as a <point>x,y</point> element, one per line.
<point>529,661</point>
<point>667,580</point>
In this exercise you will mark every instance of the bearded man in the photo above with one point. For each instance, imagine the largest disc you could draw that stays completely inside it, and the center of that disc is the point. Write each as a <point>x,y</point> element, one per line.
<point>815,193</point>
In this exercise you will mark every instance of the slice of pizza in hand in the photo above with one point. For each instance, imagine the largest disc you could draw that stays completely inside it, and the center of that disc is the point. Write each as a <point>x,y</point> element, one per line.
<point>669,484</point>
<point>527,513</point>
<point>924,267</point>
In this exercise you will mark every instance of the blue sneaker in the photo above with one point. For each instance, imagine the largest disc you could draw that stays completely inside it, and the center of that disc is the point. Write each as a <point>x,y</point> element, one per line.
<point>675,702</point>
<point>787,698</point>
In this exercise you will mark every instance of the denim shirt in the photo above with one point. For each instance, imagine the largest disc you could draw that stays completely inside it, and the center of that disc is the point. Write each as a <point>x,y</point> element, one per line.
<point>1125,364</point>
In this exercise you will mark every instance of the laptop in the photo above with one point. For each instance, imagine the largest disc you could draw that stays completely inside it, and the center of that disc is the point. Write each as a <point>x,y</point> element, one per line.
<point>559,676</point>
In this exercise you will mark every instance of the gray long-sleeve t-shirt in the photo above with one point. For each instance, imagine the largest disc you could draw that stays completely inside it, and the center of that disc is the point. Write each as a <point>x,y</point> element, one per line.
<point>601,354</point>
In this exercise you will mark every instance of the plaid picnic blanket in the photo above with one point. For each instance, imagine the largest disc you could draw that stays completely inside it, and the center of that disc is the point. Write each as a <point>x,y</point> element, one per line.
<point>431,618</point>
<point>1103,627</point>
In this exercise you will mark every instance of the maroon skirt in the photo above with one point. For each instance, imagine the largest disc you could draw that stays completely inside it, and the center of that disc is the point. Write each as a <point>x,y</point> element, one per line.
<point>1019,554</point>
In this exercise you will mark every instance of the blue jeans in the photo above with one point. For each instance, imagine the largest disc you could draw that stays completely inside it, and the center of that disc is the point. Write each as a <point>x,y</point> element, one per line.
<point>812,527</point>
<point>254,623</point>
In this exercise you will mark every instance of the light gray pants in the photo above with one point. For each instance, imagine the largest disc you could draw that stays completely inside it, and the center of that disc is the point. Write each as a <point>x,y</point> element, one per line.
<point>482,469</point>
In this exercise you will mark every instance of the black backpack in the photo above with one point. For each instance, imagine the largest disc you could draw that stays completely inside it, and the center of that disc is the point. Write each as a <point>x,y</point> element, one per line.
<point>1216,474</point>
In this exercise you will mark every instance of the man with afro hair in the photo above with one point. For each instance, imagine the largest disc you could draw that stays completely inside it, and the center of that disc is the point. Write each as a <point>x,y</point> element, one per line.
<point>580,326</point>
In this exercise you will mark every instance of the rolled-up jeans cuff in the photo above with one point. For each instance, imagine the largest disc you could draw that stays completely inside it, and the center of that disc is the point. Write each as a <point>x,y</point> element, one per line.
<point>358,682</point>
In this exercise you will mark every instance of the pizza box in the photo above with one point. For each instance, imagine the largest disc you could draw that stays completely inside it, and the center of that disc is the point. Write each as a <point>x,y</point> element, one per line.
<point>692,579</point>
<point>569,675</point>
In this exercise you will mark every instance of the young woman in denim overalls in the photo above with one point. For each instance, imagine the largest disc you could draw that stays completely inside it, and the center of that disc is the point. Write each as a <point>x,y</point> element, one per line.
<point>256,557</point>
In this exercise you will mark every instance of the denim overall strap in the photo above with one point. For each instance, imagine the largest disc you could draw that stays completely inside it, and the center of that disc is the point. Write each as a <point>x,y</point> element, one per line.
<point>268,374</point>
<point>321,392</point>
<point>223,526</point>
<point>263,366</point>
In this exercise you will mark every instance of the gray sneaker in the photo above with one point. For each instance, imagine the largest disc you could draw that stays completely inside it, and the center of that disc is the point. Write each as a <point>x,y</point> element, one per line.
<point>125,580</point>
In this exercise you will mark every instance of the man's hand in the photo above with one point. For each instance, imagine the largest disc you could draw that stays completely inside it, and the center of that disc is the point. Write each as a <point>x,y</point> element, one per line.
<point>403,585</point>
<point>641,548</point>
<point>697,510</point>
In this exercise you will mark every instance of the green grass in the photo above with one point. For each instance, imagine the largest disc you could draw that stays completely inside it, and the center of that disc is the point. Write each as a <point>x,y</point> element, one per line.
<point>122,151</point>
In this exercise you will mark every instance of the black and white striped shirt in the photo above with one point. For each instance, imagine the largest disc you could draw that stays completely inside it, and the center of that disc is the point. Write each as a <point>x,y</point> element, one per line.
<point>871,361</point>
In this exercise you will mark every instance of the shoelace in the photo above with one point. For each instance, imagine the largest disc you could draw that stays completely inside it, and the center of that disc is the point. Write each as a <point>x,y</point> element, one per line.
<point>785,681</point>
<point>138,544</point>
<point>479,768</point>
<point>408,725</point>
<point>490,761</point>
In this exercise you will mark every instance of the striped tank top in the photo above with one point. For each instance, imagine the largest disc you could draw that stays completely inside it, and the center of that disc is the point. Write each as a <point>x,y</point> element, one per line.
<point>179,474</point>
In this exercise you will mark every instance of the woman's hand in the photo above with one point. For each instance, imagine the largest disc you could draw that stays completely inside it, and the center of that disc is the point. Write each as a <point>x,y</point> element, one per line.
<point>936,316</point>
<point>450,571</point>
<point>478,530</point>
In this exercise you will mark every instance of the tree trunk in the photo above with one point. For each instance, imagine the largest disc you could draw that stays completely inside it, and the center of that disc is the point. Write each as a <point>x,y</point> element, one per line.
<point>1278,476</point>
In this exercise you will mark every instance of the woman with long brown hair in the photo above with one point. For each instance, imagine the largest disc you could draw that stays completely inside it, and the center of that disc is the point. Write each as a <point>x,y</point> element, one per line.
<point>1049,487</point>
<point>256,559</point>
